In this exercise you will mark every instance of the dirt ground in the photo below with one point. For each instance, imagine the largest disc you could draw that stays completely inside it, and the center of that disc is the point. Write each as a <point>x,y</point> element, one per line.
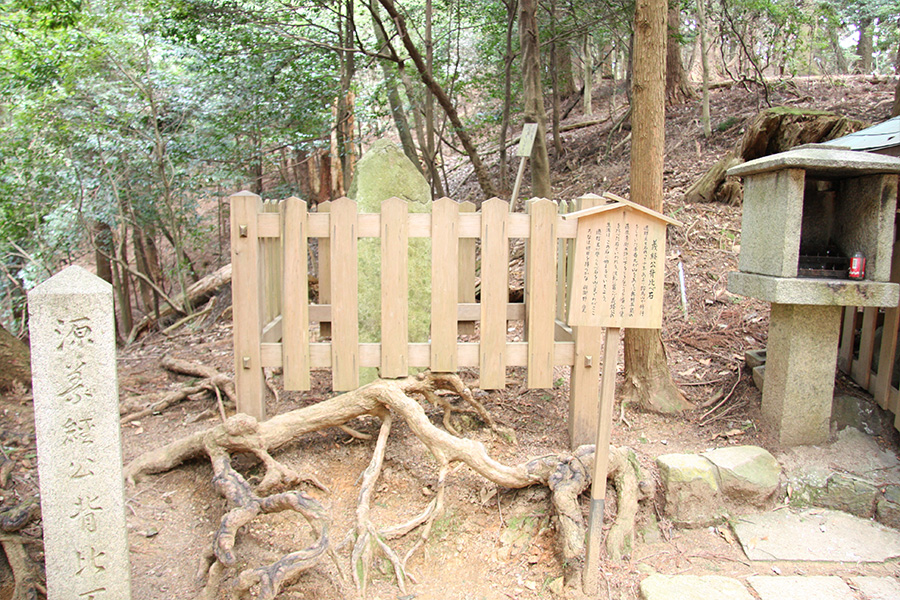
<point>489,543</point>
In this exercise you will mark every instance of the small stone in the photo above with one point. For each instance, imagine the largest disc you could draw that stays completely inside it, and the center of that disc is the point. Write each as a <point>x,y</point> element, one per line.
<point>692,587</point>
<point>531,585</point>
<point>877,588</point>
<point>800,588</point>
<point>746,473</point>
<point>691,490</point>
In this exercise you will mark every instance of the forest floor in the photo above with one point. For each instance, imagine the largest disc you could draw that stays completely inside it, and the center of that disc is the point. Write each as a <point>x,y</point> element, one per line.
<point>489,543</point>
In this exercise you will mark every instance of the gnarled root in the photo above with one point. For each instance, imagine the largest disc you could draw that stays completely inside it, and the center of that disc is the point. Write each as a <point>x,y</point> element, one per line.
<point>25,576</point>
<point>567,475</point>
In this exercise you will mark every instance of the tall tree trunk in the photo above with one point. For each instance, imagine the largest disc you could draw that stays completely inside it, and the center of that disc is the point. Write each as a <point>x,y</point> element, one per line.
<point>429,98</point>
<point>677,87</point>
<point>16,360</point>
<point>704,62</point>
<point>534,97</point>
<point>555,95</point>
<point>390,80</point>
<point>647,378</point>
<point>508,58</point>
<point>103,250</point>
<point>588,76</point>
<point>481,173</point>
<point>895,109</point>
<point>122,286</point>
<point>840,59</point>
<point>864,46</point>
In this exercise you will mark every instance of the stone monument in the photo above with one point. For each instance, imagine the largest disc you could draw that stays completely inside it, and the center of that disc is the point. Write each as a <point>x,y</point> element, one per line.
<point>76,413</point>
<point>385,172</point>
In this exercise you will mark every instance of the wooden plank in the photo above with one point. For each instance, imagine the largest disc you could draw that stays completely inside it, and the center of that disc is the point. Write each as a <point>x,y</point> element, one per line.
<point>394,288</point>
<point>515,311</point>
<point>848,334</point>
<point>561,282</point>
<point>324,262</point>
<point>466,272</point>
<point>344,309</point>
<point>584,380</point>
<point>494,293</point>
<point>540,295</point>
<point>888,351</point>
<point>295,314</point>
<point>271,251</point>
<point>246,291</point>
<point>419,354</point>
<point>862,366</point>
<point>445,287</point>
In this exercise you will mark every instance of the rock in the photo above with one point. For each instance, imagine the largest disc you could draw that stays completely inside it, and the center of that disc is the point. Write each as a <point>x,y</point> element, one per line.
<point>887,510</point>
<point>850,494</point>
<point>691,490</point>
<point>877,588</point>
<point>861,413</point>
<point>649,531</point>
<point>691,587</point>
<point>800,588</point>
<point>385,172</point>
<point>746,473</point>
<point>815,535</point>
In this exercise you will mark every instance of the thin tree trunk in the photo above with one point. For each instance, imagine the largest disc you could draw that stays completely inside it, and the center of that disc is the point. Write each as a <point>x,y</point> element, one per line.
<point>440,95</point>
<point>895,109</point>
<point>864,47</point>
<point>534,97</point>
<point>554,111</point>
<point>390,80</point>
<point>103,249</point>
<point>508,58</point>
<point>588,76</point>
<point>647,378</point>
<point>704,62</point>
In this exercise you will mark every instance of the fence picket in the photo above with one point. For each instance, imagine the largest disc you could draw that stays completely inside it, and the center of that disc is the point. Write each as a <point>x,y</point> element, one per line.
<point>295,295</point>
<point>540,296</point>
<point>494,293</point>
<point>344,309</point>
<point>394,288</point>
<point>445,288</point>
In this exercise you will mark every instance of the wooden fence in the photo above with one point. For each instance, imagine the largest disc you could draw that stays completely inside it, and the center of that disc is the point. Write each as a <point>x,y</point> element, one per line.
<point>273,317</point>
<point>868,347</point>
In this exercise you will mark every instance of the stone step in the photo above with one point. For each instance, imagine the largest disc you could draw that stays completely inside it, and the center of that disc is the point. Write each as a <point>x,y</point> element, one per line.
<point>818,587</point>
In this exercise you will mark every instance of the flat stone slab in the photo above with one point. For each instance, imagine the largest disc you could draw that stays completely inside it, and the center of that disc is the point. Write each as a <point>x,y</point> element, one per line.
<point>877,588</point>
<point>814,291</point>
<point>692,587</point>
<point>820,161</point>
<point>801,588</point>
<point>815,535</point>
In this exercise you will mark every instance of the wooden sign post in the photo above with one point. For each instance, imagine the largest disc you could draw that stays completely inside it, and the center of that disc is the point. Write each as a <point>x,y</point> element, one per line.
<point>526,143</point>
<point>620,249</point>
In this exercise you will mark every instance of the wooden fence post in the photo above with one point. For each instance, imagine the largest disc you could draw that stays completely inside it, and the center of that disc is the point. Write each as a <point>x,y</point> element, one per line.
<point>466,272</point>
<point>394,288</point>
<point>584,381</point>
<point>494,293</point>
<point>246,290</point>
<point>324,267</point>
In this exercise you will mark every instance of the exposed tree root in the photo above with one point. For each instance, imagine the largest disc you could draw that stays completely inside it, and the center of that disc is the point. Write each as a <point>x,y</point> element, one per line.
<point>25,576</point>
<point>567,475</point>
<point>212,381</point>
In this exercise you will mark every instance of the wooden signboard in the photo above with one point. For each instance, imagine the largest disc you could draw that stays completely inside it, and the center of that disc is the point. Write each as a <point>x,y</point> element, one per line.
<point>620,248</point>
<point>617,282</point>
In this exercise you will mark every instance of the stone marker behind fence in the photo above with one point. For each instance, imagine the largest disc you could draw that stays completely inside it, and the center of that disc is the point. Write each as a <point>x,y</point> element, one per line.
<point>76,413</point>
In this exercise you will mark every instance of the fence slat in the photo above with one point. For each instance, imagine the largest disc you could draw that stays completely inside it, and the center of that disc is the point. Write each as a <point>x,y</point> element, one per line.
<point>888,350</point>
<point>561,246</point>
<point>324,269</point>
<point>540,294</point>
<point>271,248</point>
<point>494,293</point>
<point>295,295</point>
<point>445,288</point>
<point>466,272</point>
<point>344,309</point>
<point>394,288</point>
<point>848,339</point>
<point>248,308</point>
<point>862,366</point>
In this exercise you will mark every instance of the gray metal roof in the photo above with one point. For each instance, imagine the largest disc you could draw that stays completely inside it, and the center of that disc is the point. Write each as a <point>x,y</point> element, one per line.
<point>876,137</point>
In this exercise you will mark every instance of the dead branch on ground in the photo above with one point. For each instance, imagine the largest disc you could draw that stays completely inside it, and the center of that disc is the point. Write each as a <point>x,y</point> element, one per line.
<point>567,475</point>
